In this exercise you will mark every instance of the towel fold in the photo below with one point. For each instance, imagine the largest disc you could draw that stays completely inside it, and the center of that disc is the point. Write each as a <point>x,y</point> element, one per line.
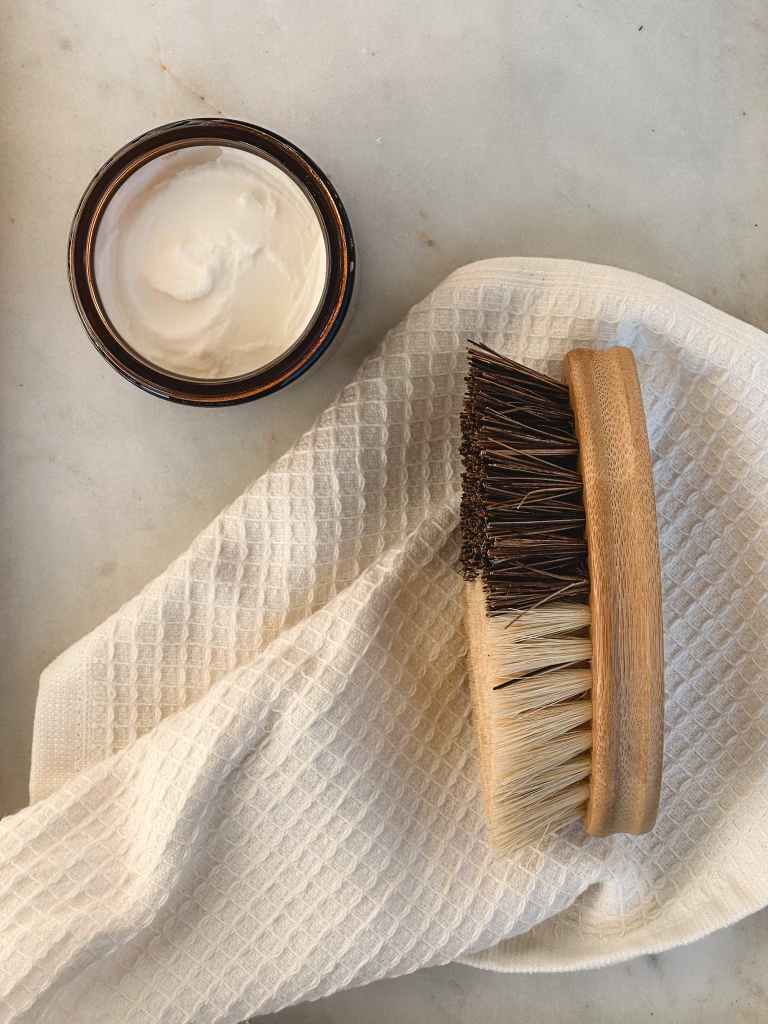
<point>256,782</point>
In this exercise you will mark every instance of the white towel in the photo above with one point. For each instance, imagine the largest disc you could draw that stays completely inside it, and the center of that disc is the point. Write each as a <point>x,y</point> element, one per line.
<point>256,783</point>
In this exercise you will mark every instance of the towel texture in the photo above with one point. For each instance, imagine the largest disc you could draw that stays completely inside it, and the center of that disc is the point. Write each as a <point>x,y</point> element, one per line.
<point>256,783</point>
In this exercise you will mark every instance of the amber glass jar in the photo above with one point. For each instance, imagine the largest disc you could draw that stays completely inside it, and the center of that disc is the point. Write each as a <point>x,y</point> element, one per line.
<point>328,319</point>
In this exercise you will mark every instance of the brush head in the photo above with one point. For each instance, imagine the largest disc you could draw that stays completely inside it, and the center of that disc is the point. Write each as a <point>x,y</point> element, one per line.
<point>563,596</point>
<point>525,561</point>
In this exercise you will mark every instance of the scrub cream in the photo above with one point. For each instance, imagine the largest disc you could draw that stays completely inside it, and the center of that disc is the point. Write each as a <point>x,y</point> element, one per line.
<point>210,261</point>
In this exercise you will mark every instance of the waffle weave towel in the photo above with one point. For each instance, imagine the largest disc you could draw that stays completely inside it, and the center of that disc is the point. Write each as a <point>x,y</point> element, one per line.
<point>256,783</point>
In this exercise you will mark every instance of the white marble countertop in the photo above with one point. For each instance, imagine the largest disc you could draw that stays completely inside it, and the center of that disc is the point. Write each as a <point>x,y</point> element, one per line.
<point>617,132</point>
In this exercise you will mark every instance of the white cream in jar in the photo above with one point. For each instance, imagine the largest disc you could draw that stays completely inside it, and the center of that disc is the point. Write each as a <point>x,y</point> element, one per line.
<point>210,261</point>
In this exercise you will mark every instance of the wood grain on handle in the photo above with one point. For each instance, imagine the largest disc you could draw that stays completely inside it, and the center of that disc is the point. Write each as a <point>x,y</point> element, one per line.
<point>622,544</point>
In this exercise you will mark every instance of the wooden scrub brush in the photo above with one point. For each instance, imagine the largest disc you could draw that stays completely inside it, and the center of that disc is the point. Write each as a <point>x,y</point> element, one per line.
<point>563,596</point>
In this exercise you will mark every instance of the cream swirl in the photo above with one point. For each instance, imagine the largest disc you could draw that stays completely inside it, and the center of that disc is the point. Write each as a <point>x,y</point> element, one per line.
<point>210,261</point>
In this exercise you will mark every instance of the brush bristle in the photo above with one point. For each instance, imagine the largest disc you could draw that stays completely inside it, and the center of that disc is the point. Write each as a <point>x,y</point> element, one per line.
<point>525,562</point>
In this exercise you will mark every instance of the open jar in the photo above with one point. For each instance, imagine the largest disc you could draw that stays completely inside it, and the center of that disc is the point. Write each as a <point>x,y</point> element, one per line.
<point>211,262</point>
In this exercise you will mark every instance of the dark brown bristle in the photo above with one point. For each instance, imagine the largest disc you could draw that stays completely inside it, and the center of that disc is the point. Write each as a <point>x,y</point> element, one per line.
<point>522,516</point>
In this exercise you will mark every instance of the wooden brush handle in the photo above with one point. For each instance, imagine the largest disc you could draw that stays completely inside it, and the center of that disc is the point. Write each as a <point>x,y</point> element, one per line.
<point>622,545</point>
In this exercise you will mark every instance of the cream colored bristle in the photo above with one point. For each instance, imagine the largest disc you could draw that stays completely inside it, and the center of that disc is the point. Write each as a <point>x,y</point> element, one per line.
<point>532,712</point>
<point>549,620</point>
<point>533,640</point>
<point>542,689</point>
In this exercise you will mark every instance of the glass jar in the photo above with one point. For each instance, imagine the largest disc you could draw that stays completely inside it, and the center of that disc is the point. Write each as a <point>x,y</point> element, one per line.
<point>324,327</point>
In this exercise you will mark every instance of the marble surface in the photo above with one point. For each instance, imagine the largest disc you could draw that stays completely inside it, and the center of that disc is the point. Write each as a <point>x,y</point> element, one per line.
<point>618,132</point>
